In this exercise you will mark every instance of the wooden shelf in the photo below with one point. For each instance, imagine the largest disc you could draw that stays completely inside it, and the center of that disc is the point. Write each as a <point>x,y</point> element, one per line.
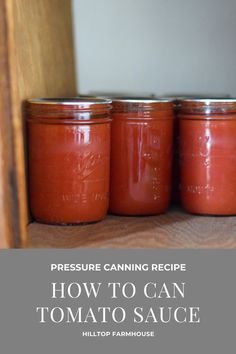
<point>36,60</point>
<point>175,229</point>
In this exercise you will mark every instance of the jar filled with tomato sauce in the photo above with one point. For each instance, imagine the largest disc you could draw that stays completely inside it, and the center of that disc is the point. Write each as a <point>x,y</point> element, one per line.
<point>208,156</point>
<point>69,159</point>
<point>141,156</point>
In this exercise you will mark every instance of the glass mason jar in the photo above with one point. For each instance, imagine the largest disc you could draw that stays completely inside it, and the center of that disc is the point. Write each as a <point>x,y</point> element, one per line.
<point>208,156</point>
<point>141,156</point>
<point>69,159</point>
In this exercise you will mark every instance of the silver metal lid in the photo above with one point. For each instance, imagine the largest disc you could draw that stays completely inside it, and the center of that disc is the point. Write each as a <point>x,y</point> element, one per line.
<point>208,101</point>
<point>141,100</point>
<point>82,101</point>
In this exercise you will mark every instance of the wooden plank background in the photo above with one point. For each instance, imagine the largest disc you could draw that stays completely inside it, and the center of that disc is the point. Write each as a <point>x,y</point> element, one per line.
<point>9,212</point>
<point>37,60</point>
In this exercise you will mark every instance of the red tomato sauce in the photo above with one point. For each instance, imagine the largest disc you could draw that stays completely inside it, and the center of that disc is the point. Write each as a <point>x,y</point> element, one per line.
<point>69,159</point>
<point>208,156</point>
<point>141,156</point>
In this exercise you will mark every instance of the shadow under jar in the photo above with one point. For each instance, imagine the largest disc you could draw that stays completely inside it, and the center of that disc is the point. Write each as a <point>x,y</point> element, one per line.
<point>69,159</point>
<point>208,156</point>
<point>141,156</point>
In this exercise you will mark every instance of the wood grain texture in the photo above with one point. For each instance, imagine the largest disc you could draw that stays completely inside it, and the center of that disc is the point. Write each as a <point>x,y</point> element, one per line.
<point>37,59</point>
<point>41,60</point>
<point>175,229</point>
<point>9,211</point>
<point>43,48</point>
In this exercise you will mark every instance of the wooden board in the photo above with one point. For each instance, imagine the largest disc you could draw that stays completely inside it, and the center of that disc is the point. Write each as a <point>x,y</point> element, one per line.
<point>175,229</point>
<point>43,49</point>
<point>9,212</point>
<point>37,59</point>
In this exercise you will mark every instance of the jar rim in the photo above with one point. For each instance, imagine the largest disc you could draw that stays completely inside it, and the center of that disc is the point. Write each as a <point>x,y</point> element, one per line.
<point>145,100</point>
<point>208,101</point>
<point>140,104</point>
<point>208,106</point>
<point>69,109</point>
<point>69,101</point>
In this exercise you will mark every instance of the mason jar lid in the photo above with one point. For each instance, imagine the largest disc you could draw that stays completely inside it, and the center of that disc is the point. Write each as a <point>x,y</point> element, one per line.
<point>80,103</point>
<point>142,100</point>
<point>134,104</point>
<point>177,98</point>
<point>69,110</point>
<point>208,106</point>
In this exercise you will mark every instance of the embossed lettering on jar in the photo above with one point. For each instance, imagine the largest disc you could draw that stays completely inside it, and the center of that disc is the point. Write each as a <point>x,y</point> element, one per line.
<point>69,158</point>
<point>208,156</point>
<point>141,156</point>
